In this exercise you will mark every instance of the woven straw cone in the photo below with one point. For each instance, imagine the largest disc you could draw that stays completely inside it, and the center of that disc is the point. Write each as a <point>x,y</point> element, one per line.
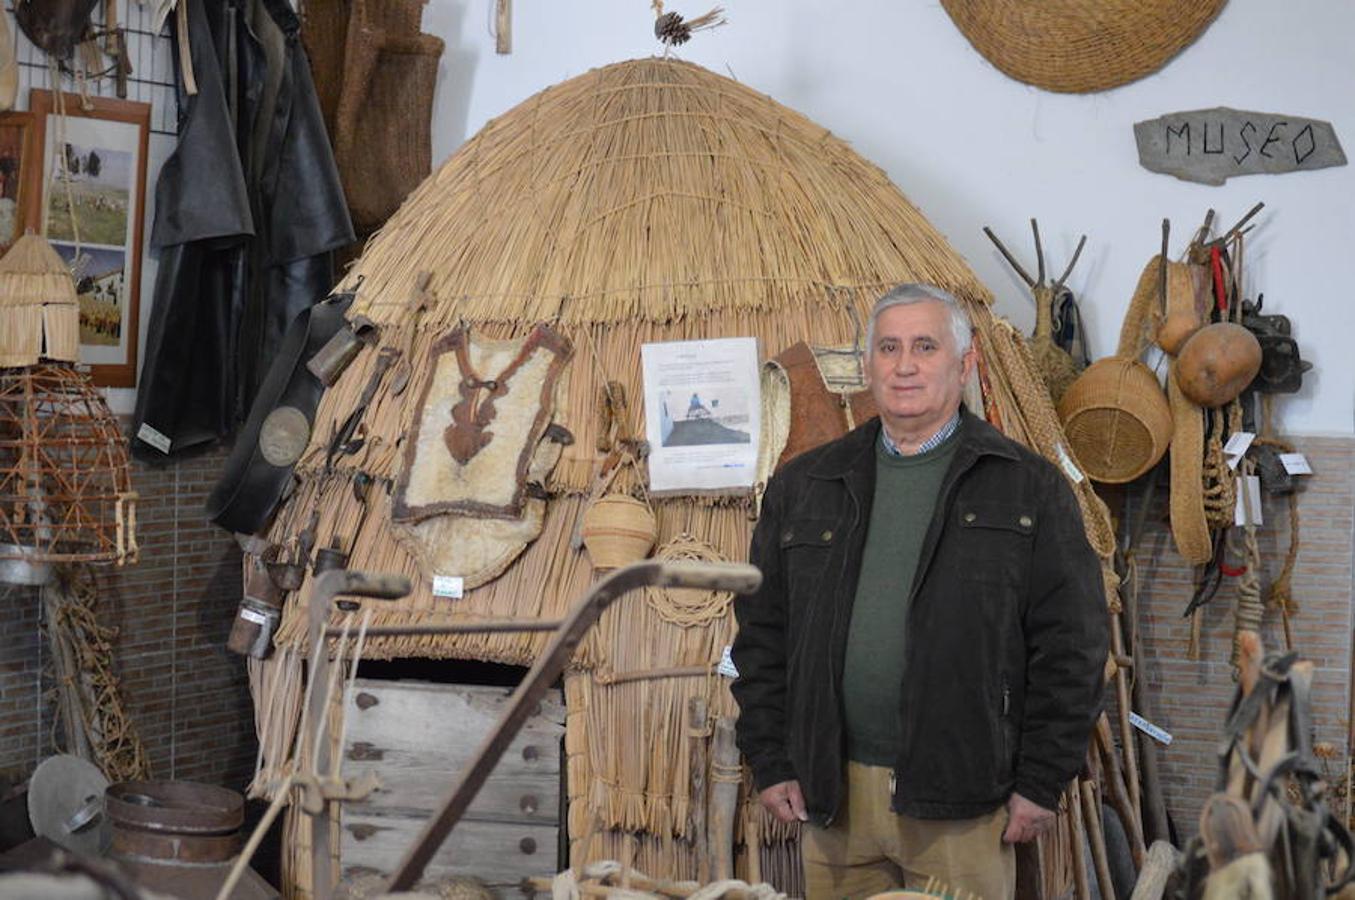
<point>39,311</point>
<point>1081,46</point>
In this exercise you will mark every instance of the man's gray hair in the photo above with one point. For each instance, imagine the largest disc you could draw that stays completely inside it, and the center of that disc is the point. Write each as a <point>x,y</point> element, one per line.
<point>961,329</point>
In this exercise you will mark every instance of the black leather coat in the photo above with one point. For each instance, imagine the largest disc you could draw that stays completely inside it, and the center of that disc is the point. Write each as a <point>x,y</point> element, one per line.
<point>1004,647</point>
<point>248,211</point>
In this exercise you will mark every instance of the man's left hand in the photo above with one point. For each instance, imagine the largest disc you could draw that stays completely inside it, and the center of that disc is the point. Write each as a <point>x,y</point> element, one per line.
<point>1025,820</point>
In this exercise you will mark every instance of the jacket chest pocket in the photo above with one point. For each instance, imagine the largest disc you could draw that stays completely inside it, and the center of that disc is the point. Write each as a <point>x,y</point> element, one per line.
<point>806,553</point>
<point>995,541</point>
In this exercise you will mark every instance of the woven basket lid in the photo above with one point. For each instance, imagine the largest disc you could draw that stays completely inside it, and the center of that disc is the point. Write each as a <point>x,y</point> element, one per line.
<point>39,310</point>
<point>1081,46</point>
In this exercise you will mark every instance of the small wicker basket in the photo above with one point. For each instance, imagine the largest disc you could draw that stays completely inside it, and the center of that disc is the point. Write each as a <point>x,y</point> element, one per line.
<point>616,528</point>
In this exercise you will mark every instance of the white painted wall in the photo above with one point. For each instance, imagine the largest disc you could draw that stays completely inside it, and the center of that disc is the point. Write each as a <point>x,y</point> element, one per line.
<point>972,147</point>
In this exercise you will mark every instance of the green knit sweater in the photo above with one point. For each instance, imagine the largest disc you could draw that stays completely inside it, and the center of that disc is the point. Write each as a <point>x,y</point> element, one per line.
<point>906,489</point>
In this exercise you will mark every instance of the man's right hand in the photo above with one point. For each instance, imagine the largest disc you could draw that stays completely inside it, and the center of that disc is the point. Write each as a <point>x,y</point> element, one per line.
<point>785,801</point>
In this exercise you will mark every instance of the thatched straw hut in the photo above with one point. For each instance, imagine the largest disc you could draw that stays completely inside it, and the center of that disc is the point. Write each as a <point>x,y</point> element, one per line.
<point>645,201</point>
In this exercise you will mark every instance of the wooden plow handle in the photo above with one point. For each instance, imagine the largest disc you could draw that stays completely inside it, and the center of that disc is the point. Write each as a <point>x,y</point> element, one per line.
<point>740,578</point>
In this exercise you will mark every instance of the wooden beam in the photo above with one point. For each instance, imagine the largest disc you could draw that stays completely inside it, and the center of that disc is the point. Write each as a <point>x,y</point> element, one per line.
<point>503,26</point>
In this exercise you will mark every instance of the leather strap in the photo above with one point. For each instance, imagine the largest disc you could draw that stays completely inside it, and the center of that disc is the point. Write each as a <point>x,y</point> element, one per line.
<point>250,486</point>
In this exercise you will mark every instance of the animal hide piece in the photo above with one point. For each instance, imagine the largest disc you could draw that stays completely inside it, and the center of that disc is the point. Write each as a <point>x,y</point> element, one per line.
<point>468,498</point>
<point>828,396</point>
<point>810,396</point>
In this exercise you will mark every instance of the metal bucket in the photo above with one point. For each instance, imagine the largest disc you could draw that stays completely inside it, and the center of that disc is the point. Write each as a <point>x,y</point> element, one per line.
<point>180,838</point>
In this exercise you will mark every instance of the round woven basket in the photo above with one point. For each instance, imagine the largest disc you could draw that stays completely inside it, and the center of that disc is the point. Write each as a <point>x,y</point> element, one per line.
<point>618,530</point>
<point>1117,420</point>
<point>1081,46</point>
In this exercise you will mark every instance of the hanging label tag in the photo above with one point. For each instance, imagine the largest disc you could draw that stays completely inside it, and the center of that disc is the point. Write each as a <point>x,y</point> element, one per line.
<point>254,616</point>
<point>726,666</point>
<point>156,439</point>
<point>1252,485</point>
<point>1236,448</point>
<point>1295,464</point>
<point>1069,467</point>
<point>1161,735</point>
<point>448,586</point>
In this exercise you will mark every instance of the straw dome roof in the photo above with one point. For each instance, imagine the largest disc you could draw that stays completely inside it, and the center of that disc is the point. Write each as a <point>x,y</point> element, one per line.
<point>654,188</point>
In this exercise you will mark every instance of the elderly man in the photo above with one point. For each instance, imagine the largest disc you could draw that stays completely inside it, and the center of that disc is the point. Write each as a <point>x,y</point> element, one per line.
<point>921,668</point>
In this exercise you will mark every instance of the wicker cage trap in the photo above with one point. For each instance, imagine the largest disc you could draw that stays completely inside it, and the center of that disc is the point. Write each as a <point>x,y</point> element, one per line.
<point>650,200</point>
<point>65,488</point>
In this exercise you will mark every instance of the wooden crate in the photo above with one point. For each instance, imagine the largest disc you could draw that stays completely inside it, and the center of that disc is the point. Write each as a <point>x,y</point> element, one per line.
<point>418,737</point>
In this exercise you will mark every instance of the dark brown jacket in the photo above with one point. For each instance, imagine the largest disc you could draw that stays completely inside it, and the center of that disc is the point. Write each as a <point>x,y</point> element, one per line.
<point>1005,641</point>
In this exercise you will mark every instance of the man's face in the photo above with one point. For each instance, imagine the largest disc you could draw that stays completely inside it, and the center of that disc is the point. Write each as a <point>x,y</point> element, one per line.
<point>915,372</point>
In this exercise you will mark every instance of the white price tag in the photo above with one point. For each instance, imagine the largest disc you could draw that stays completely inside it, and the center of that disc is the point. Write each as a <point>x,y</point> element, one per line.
<point>1161,735</point>
<point>1295,464</point>
<point>448,586</point>
<point>156,439</point>
<point>1238,443</point>
<point>1252,484</point>
<point>1236,448</point>
<point>1069,467</point>
<point>726,666</point>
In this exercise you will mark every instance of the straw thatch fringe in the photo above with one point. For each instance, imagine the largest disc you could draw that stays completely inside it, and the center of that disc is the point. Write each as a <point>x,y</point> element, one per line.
<point>594,755</point>
<point>21,336</point>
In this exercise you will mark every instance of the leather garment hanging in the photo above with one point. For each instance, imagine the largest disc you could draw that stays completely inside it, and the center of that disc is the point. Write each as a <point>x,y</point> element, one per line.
<point>248,212</point>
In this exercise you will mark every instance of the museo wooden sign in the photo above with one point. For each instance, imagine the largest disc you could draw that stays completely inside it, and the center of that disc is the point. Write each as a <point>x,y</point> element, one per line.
<point>1212,145</point>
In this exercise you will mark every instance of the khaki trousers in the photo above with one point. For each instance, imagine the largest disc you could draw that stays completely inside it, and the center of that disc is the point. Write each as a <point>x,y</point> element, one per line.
<point>870,848</point>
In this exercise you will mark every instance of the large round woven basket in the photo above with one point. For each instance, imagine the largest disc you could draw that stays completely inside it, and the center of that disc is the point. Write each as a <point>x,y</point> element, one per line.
<point>1081,46</point>
<point>1117,420</point>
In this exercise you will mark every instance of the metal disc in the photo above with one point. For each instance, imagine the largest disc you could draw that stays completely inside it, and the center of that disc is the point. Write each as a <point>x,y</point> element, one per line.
<point>284,435</point>
<point>65,804</point>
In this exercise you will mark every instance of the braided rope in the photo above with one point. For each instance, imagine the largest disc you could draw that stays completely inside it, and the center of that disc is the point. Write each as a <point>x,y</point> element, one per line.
<point>1220,487</point>
<point>1032,420</point>
<point>688,607</point>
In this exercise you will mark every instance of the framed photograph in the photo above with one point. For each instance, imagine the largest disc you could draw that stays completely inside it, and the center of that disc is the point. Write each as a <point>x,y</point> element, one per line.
<point>88,202</point>
<point>18,162</point>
